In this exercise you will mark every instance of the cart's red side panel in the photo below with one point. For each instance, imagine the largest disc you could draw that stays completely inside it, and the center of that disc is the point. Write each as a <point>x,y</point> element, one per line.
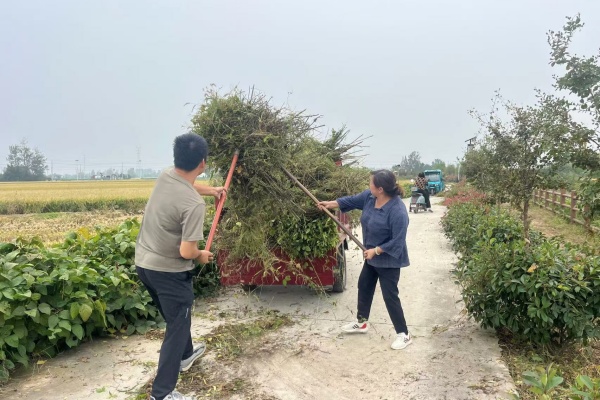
<point>250,272</point>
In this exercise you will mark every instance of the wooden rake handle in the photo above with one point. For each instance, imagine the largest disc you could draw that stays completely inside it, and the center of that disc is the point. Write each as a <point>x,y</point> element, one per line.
<point>329,214</point>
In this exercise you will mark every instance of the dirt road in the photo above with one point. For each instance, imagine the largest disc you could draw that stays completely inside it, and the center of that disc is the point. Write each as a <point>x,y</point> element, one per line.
<point>450,358</point>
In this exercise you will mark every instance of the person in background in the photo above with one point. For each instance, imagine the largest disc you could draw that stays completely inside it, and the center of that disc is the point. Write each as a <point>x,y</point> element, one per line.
<point>421,183</point>
<point>384,222</point>
<point>165,251</point>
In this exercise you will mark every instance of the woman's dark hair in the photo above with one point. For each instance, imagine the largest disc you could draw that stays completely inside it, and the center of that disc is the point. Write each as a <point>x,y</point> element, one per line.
<point>386,179</point>
<point>189,150</point>
<point>421,174</point>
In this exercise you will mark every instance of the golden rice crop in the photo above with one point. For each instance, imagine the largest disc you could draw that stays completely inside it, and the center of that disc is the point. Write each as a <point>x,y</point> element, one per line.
<point>78,196</point>
<point>74,190</point>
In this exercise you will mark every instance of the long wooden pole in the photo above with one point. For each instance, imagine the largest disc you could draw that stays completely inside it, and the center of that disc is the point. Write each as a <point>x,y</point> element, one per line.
<point>329,214</point>
<point>221,201</point>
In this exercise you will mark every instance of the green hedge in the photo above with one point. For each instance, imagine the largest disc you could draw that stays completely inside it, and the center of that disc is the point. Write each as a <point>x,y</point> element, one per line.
<point>55,298</point>
<point>36,207</point>
<point>52,298</point>
<point>540,290</point>
<point>133,204</point>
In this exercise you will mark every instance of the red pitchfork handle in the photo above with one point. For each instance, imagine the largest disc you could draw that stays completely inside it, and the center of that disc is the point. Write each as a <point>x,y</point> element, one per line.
<point>221,201</point>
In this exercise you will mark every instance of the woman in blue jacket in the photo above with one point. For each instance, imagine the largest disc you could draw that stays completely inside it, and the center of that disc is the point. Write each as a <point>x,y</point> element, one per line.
<point>384,222</point>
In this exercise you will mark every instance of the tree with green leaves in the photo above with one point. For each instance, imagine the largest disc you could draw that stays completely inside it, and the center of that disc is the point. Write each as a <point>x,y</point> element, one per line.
<point>410,165</point>
<point>438,164</point>
<point>450,169</point>
<point>581,79</point>
<point>519,156</point>
<point>481,166</point>
<point>24,164</point>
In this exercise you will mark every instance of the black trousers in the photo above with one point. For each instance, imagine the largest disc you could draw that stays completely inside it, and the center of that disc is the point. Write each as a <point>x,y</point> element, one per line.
<point>388,280</point>
<point>173,294</point>
<point>425,194</point>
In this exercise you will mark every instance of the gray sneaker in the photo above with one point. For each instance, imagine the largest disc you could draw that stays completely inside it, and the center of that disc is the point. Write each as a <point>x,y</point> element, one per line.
<point>198,352</point>
<point>175,395</point>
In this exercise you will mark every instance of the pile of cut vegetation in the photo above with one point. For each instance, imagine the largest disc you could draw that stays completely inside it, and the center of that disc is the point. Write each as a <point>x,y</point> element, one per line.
<point>264,209</point>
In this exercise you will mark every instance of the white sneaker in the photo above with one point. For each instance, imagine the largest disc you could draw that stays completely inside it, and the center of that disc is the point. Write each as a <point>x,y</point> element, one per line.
<point>356,327</point>
<point>175,395</point>
<point>430,210</point>
<point>402,340</point>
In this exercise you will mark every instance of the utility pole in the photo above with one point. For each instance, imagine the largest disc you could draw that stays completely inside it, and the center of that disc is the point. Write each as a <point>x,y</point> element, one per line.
<point>471,143</point>
<point>83,173</point>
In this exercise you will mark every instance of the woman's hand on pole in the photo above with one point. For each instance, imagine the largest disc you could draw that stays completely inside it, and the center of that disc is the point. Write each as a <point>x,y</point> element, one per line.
<point>323,205</point>
<point>369,254</point>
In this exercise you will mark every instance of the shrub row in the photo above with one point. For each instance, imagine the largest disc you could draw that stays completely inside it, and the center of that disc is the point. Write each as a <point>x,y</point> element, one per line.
<point>35,207</point>
<point>539,289</point>
<point>54,298</point>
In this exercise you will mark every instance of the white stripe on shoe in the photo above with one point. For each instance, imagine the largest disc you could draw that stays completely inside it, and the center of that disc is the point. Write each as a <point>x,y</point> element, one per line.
<point>198,352</point>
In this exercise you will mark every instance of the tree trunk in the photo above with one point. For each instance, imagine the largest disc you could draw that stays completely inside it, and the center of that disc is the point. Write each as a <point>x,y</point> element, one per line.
<point>525,215</point>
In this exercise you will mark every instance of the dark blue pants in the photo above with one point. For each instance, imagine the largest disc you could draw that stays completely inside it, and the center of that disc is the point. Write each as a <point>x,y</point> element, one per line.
<point>388,280</point>
<point>173,294</point>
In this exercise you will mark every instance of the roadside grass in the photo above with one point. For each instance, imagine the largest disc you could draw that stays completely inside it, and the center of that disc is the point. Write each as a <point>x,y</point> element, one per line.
<point>554,225</point>
<point>570,360</point>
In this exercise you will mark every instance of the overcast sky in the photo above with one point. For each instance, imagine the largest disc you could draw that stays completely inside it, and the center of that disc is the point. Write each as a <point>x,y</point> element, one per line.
<point>100,79</point>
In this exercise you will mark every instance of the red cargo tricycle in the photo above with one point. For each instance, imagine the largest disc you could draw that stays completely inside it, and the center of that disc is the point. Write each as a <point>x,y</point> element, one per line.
<point>326,271</point>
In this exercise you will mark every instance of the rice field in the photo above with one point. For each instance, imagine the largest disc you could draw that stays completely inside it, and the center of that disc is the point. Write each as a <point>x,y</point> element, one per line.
<point>50,210</point>
<point>75,190</point>
<point>74,196</point>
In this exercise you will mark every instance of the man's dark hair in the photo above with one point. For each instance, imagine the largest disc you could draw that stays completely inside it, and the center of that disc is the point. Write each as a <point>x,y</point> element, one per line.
<point>421,174</point>
<point>386,179</point>
<point>189,150</point>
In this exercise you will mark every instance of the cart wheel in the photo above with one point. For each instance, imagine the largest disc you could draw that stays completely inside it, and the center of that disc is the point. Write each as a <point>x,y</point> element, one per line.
<point>340,272</point>
<point>249,288</point>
